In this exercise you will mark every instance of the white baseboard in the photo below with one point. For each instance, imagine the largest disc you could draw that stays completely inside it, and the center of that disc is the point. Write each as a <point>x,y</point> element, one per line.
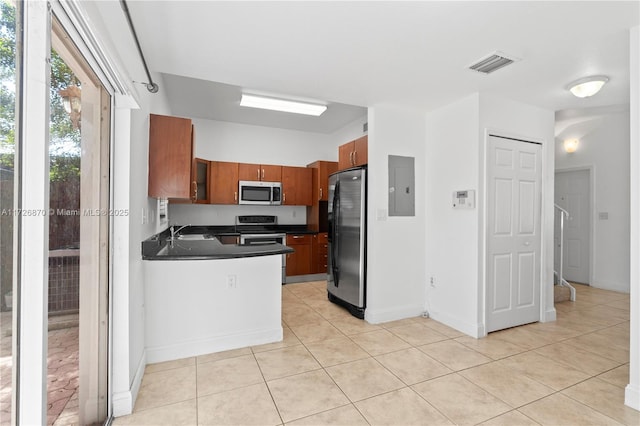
<point>611,286</point>
<point>549,315</point>
<point>377,316</point>
<point>123,402</point>
<point>305,278</point>
<point>213,344</point>
<point>632,396</point>
<point>474,330</point>
<point>137,379</point>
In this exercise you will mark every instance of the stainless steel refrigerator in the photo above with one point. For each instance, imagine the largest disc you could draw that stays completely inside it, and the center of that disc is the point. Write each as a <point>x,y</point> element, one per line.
<point>347,212</point>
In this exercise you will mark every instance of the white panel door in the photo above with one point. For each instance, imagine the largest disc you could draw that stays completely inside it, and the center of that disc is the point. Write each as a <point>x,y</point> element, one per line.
<point>572,194</point>
<point>514,176</point>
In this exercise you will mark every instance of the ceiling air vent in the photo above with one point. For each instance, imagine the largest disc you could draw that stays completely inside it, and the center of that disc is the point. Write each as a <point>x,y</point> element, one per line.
<point>493,62</point>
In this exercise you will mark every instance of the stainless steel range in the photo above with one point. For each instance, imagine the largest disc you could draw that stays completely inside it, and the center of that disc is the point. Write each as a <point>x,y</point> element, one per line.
<point>262,229</point>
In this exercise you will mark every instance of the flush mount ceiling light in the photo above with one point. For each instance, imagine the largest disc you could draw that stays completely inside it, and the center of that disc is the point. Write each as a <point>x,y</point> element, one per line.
<point>587,86</point>
<point>570,145</point>
<point>263,102</point>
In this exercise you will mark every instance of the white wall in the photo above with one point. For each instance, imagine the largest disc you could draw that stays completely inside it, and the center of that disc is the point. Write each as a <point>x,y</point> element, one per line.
<point>243,143</point>
<point>130,192</point>
<point>455,243</point>
<point>203,314</point>
<point>140,204</point>
<point>396,248</point>
<point>452,163</point>
<point>604,147</point>
<point>632,391</point>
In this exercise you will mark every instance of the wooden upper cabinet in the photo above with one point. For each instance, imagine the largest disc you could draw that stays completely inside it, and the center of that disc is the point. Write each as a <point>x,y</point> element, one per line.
<point>296,186</point>
<point>320,178</point>
<point>345,156</point>
<point>354,153</point>
<point>271,173</point>
<point>223,182</point>
<point>361,151</point>
<point>170,157</point>
<point>201,177</point>
<point>263,172</point>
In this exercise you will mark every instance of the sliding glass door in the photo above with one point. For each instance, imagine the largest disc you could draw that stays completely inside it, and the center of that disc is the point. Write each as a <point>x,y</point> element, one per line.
<point>56,178</point>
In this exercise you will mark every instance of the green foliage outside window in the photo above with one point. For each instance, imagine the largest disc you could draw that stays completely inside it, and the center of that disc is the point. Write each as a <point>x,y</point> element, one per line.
<point>64,147</point>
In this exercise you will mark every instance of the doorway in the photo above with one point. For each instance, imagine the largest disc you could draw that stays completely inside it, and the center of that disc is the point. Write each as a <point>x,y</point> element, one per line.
<point>514,194</point>
<point>573,193</point>
<point>78,238</point>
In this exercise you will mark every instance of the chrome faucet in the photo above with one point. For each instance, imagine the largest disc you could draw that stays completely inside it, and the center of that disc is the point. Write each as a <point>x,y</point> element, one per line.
<point>174,231</point>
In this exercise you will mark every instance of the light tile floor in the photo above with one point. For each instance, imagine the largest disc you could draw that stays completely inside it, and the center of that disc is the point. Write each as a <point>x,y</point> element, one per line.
<point>334,369</point>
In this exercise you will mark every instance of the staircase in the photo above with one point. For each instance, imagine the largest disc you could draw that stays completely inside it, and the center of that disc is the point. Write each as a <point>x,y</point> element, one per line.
<point>562,290</point>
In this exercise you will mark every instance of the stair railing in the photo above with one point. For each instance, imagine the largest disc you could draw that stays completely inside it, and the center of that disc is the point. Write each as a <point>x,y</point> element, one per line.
<point>561,281</point>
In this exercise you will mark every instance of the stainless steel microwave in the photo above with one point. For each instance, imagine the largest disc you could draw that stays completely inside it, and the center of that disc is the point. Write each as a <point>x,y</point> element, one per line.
<point>260,193</point>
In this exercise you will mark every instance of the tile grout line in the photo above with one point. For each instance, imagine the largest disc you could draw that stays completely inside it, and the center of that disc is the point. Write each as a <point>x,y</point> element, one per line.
<point>266,384</point>
<point>371,356</point>
<point>197,397</point>
<point>590,376</point>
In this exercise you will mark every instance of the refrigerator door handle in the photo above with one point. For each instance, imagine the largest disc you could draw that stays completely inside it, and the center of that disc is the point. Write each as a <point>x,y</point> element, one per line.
<point>334,236</point>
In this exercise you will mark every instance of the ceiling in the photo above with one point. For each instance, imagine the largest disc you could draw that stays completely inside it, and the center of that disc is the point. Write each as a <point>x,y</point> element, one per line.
<point>410,54</point>
<point>196,98</point>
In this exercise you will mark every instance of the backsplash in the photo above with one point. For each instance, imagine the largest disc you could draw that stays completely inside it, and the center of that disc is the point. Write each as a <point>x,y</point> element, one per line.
<point>212,214</point>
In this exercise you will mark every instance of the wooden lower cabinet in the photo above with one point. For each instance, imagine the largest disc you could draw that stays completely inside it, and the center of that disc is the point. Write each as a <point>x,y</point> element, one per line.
<point>299,262</point>
<point>320,252</point>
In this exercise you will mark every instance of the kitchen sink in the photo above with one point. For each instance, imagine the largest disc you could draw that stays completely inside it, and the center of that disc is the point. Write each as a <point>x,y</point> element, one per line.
<point>195,237</point>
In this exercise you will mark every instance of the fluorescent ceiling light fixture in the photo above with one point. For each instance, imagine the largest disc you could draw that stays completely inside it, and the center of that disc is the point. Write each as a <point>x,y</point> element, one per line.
<point>587,86</point>
<point>254,101</point>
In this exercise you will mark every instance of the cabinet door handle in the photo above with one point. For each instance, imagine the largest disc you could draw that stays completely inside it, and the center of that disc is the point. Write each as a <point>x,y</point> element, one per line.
<point>284,198</point>
<point>351,158</point>
<point>235,196</point>
<point>262,173</point>
<point>195,190</point>
<point>355,157</point>
<point>258,171</point>
<point>298,236</point>
<point>321,193</point>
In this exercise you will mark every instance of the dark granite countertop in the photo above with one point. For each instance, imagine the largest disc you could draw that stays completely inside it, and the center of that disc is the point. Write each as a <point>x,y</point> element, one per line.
<point>201,243</point>
<point>231,229</point>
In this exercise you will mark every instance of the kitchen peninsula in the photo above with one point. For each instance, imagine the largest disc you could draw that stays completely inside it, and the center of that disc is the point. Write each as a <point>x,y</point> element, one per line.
<point>205,293</point>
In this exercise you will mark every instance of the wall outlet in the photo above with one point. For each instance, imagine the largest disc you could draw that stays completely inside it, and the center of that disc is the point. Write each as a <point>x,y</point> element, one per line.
<point>232,281</point>
<point>432,282</point>
<point>144,216</point>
